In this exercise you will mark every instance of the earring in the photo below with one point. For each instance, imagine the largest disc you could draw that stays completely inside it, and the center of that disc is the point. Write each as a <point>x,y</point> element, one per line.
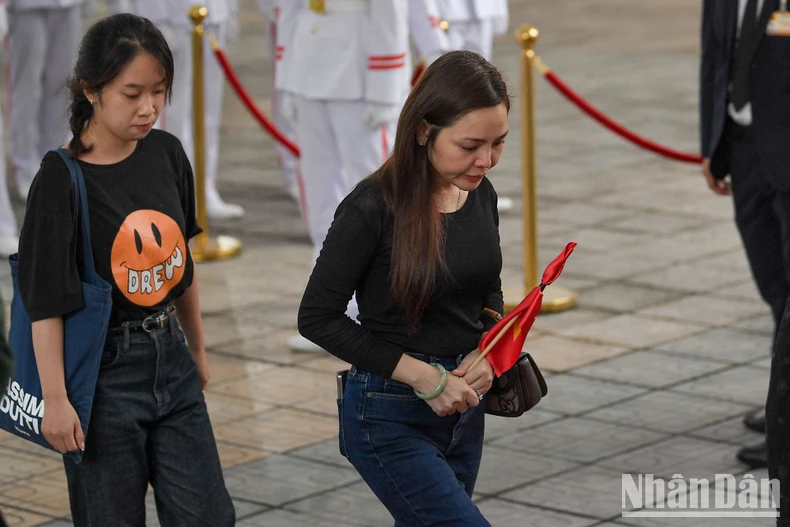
<point>91,101</point>
<point>421,143</point>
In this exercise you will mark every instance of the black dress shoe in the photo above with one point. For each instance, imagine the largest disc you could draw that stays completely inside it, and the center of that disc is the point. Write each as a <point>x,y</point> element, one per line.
<point>755,421</point>
<point>756,456</point>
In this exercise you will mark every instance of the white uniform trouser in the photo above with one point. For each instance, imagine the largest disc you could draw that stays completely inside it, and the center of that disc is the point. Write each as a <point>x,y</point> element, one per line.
<point>475,35</point>
<point>42,50</point>
<point>338,150</point>
<point>7,218</point>
<point>177,117</point>
<point>287,161</point>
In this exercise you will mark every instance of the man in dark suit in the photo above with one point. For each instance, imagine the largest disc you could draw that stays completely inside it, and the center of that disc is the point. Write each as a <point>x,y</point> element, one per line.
<point>745,134</point>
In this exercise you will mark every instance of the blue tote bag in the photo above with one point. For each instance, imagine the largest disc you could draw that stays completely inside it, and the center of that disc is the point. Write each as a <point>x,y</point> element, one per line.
<point>22,406</point>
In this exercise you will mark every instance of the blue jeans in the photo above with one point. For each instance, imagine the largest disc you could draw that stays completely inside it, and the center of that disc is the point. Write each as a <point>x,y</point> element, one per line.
<point>149,424</point>
<point>422,467</point>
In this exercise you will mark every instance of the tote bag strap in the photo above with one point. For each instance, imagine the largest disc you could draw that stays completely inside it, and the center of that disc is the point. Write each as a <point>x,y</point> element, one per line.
<point>81,211</point>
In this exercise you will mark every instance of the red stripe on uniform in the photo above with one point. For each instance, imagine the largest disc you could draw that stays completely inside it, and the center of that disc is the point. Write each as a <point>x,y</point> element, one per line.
<point>387,57</point>
<point>386,66</point>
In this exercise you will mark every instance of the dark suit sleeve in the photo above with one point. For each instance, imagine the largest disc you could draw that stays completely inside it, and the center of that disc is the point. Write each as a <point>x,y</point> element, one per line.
<point>707,71</point>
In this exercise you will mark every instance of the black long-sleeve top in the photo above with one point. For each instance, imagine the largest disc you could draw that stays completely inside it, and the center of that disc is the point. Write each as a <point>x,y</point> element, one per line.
<point>356,258</point>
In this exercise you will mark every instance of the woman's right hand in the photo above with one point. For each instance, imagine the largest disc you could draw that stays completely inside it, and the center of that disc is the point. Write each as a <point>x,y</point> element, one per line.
<point>61,426</point>
<point>457,396</point>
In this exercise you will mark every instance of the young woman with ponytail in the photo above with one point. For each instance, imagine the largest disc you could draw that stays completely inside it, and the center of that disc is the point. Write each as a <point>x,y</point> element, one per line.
<point>149,422</point>
<point>418,242</point>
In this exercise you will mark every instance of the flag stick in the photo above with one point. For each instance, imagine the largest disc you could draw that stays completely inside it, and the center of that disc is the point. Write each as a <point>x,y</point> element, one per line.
<point>493,343</point>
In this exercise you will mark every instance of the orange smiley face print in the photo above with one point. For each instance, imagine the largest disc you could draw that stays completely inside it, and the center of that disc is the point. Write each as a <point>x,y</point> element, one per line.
<point>148,257</point>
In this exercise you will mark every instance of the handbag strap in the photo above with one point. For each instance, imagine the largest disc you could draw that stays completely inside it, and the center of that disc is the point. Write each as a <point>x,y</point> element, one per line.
<point>80,211</point>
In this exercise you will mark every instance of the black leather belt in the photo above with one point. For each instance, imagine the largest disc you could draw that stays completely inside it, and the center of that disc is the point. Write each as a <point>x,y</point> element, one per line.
<point>150,323</point>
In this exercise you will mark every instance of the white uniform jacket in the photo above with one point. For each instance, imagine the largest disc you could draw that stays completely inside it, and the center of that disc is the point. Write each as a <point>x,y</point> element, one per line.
<point>174,12</point>
<point>426,32</point>
<point>350,54</point>
<point>286,15</point>
<point>470,10</point>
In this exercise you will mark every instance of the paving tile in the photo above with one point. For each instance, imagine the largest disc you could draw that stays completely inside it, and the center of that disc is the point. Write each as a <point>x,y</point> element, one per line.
<point>651,369</point>
<point>279,479</point>
<point>570,394</point>
<point>279,430</point>
<point>577,439</point>
<point>591,492</point>
<point>15,517</point>
<point>353,505</point>
<point>224,408</point>
<point>703,310</point>
<point>19,465</point>
<point>559,354</point>
<point>740,384</point>
<point>503,469</point>
<point>729,431</point>
<point>277,386</point>
<point>693,458</point>
<point>631,331</point>
<point>286,518</point>
<point>763,324</point>
<point>231,455</point>
<point>668,412</point>
<point>722,344</point>
<point>497,427</point>
<point>623,296</point>
<point>690,277</point>
<point>45,494</point>
<point>500,512</point>
<point>324,452</point>
<point>655,223</point>
<point>225,368</point>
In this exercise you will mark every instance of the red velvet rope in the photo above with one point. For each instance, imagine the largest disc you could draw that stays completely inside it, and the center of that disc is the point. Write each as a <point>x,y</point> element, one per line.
<point>245,97</point>
<point>615,127</point>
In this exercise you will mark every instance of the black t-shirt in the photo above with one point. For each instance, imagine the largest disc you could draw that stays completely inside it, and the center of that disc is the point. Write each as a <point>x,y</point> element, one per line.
<point>356,258</point>
<point>142,215</point>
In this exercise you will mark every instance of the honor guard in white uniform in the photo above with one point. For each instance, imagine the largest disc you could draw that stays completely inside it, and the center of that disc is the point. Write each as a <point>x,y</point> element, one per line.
<point>42,46</point>
<point>344,75</point>
<point>288,162</point>
<point>172,18</point>
<point>473,23</point>
<point>9,241</point>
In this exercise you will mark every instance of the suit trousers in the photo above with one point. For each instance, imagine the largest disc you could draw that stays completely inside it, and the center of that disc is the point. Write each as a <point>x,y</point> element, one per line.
<point>289,163</point>
<point>762,215</point>
<point>42,48</point>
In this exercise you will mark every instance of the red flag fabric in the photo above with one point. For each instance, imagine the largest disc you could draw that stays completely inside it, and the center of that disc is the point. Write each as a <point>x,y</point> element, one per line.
<point>505,340</point>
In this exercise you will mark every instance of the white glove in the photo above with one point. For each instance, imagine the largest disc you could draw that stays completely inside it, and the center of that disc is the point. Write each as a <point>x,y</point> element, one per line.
<point>3,22</point>
<point>288,108</point>
<point>378,114</point>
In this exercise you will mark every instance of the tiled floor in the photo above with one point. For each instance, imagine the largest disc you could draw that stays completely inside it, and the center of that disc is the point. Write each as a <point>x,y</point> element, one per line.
<point>651,372</point>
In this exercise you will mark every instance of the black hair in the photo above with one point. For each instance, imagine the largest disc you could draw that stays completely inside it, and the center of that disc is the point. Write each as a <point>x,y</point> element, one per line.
<point>106,49</point>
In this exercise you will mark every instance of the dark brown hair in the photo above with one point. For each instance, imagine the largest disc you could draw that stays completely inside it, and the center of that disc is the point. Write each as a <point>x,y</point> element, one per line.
<point>107,48</point>
<point>456,84</point>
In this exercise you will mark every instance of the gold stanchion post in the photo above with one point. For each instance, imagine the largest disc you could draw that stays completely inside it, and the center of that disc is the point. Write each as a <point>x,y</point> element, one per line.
<point>555,298</point>
<point>204,247</point>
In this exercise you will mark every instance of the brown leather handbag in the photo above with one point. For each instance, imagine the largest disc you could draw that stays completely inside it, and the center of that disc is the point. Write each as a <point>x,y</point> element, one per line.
<point>517,390</point>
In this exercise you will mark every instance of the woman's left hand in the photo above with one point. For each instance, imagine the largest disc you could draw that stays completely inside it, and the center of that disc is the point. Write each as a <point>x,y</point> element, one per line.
<point>202,365</point>
<point>481,377</point>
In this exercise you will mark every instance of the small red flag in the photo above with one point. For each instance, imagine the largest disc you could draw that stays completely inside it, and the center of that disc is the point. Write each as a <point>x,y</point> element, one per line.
<point>507,337</point>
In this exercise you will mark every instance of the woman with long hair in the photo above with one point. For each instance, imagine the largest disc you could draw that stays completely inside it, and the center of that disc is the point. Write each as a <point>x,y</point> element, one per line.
<point>149,422</point>
<point>418,242</point>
